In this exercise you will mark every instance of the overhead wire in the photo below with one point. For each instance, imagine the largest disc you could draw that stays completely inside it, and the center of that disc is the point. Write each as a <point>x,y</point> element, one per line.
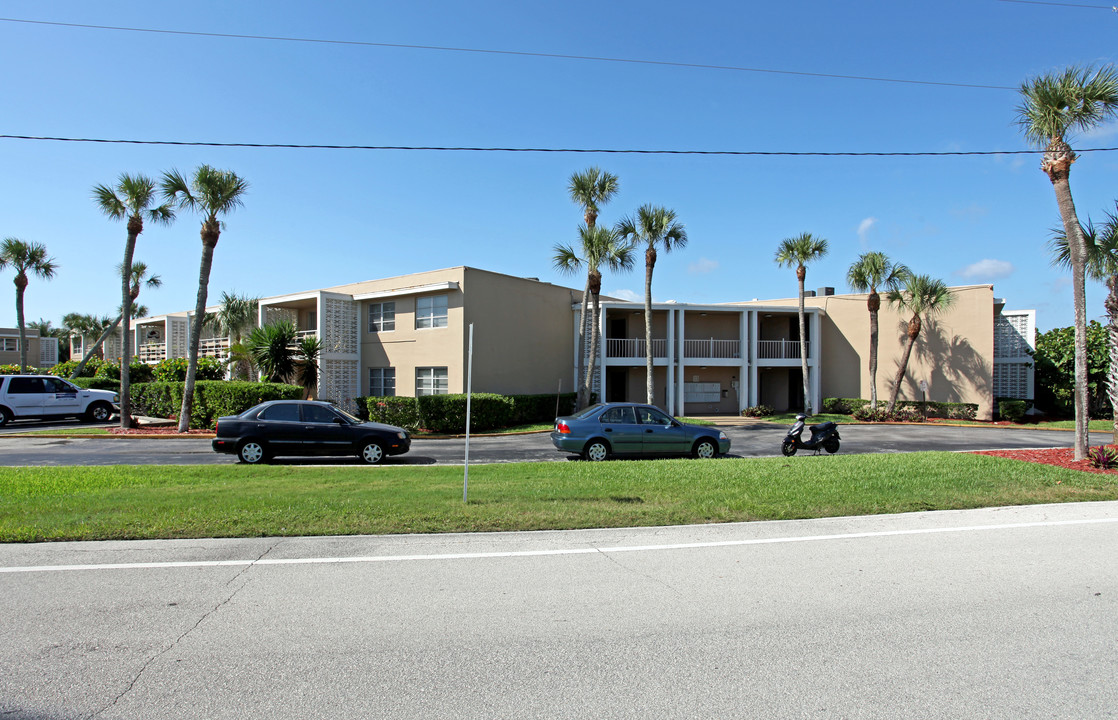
<point>521,53</point>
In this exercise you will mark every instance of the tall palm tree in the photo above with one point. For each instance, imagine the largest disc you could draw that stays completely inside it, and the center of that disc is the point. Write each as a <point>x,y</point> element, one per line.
<point>869,272</point>
<point>653,226</point>
<point>599,248</point>
<point>797,252</point>
<point>136,280</point>
<point>132,199</point>
<point>1101,264</point>
<point>25,257</point>
<point>1052,107</point>
<point>589,189</point>
<point>213,193</point>
<point>924,298</point>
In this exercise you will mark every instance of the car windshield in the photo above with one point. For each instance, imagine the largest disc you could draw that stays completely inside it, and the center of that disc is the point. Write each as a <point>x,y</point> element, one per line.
<point>352,420</point>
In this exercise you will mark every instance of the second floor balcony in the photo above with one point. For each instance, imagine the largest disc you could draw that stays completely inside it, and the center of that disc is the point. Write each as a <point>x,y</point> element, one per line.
<point>780,349</point>
<point>151,351</point>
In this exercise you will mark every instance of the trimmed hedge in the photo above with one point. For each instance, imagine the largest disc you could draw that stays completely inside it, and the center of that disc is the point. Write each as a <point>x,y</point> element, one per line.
<point>758,411</point>
<point>212,398</point>
<point>447,413</point>
<point>1012,410</point>
<point>950,411</point>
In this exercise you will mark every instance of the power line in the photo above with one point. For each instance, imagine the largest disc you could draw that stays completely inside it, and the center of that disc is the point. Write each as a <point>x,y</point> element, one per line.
<point>1112,8</point>
<point>614,151</point>
<point>556,56</point>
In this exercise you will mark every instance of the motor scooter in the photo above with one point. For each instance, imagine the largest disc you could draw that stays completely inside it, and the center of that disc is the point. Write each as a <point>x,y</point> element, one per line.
<point>824,436</point>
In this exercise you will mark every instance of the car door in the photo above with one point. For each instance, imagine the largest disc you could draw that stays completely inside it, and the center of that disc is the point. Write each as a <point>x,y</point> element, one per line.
<point>662,434</point>
<point>281,427</point>
<point>326,432</point>
<point>60,397</point>
<point>619,425</point>
<point>25,396</point>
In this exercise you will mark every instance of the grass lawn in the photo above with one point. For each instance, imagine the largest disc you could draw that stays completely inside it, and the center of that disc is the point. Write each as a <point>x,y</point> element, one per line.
<point>119,502</point>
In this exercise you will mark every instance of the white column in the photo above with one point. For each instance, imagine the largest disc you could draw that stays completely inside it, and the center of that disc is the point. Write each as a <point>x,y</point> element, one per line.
<point>814,364</point>
<point>754,346</point>
<point>682,407</point>
<point>743,355</point>
<point>601,354</point>
<point>669,370</point>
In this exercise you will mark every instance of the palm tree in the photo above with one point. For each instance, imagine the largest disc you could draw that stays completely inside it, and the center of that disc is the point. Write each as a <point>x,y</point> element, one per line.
<point>797,252</point>
<point>924,298</point>
<point>213,193</point>
<point>589,189</point>
<point>272,348</point>
<point>599,248</point>
<point>131,199</point>
<point>1101,264</point>
<point>236,316</point>
<point>136,280</point>
<point>652,227</point>
<point>869,272</point>
<point>25,257</point>
<point>1053,106</point>
<point>306,366</point>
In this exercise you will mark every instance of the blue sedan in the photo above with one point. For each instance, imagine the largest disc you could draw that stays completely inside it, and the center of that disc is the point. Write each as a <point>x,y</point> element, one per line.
<point>608,429</point>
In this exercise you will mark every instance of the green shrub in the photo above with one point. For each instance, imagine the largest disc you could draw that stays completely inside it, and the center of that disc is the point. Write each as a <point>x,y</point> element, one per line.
<point>1012,410</point>
<point>1103,456</point>
<point>843,406</point>
<point>447,413</point>
<point>944,410</point>
<point>899,414</point>
<point>138,371</point>
<point>758,411</point>
<point>212,398</point>
<point>174,369</point>
<point>14,370</point>
<point>399,411</point>
<point>64,369</point>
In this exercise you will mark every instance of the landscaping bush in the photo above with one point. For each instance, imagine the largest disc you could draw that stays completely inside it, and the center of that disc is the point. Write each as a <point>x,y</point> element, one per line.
<point>758,411</point>
<point>528,409</point>
<point>944,410</point>
<point>1104,457</point>
<point>138,372</point>
<point>1012,410</point>
<point>899,414</point>
<point>843,406</point>
<point>174,369</point>
<point>447,413</point>
<point>399,411</point>
<point>212,398</point>
<point>64,369</point>
<point>14,370</point>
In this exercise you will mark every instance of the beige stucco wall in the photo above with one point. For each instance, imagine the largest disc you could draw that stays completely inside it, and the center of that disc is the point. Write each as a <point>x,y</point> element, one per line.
<point>12,358</point>
<point>953,354</point>
<point>703,325</point>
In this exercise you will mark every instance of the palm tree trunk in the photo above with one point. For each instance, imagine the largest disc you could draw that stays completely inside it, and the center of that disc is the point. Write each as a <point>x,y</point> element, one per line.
<point>89,353</point>
<point>900,374</point>
<point>196,337</point>
<point>19,324</point>
<point>582,398</point>
<point>1112,371</point>
<point>649,264</point>
<point>873,359</point>
<point>803,351</point>
<point>589,380</point>
<point>1077,246</point>
<point>126,326</point>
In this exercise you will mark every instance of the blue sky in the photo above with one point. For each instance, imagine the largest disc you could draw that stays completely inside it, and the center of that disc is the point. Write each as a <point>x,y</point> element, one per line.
<point>315,218</point>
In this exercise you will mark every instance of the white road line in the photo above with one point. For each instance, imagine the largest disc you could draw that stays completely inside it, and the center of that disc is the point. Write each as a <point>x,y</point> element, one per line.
<point>544,553</point>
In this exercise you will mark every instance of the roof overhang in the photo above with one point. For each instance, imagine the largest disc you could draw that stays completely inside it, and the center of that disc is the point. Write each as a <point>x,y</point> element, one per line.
<point>413,290</point>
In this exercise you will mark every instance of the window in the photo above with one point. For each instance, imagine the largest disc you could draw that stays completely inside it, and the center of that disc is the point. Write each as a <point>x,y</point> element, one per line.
<point>382,317</point>
<point>651,416</point>
<point>25,386</point>
<point>621,415</point>
<point>318,414</point>
<point>430,312</point>
<point>382,382</point>
<point>9,344</point>
<point>431,381</point>
<point>284,412</point>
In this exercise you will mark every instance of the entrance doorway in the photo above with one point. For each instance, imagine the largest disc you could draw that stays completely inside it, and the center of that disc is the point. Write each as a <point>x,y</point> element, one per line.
<point>617,384</point>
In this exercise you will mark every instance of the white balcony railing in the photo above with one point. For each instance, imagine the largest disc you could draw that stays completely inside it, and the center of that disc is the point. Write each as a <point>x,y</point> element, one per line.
<point>711,348</point>
<point>780,349</point>
<point>213,347</point>
<point>305,333</point>
<point>634,348</point>
<point>151,351</point>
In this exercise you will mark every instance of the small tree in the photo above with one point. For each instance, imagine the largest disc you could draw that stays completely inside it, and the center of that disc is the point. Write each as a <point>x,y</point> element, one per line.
<point>25,258</point>
<point>869,272</point>
<point>924,298</point>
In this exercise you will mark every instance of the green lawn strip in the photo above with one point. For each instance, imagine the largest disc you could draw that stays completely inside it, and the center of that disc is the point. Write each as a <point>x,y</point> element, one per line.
<point>789,418</point>
<point>126,502</point>
<point>68,431</point>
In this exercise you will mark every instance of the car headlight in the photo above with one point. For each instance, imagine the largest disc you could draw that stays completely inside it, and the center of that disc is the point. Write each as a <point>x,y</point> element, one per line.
<point>403,435</point>
<point>722,435</point>
<point>116,398</point>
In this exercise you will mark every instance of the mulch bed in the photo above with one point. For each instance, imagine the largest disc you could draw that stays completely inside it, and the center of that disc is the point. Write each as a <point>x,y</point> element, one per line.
<point>156,431</point>
<point>1060,457</point>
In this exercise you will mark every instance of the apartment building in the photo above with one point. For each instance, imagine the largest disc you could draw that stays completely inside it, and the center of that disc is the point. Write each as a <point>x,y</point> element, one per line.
<point>408,335</point>
<point>42,352</point>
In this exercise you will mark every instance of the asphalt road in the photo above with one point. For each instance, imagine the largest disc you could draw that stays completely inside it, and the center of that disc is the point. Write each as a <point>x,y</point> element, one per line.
<point>998,613</point>
<point>746,441</point>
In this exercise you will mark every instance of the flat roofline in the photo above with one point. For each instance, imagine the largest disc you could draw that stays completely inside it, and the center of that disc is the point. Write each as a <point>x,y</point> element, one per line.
<point>413,290</point>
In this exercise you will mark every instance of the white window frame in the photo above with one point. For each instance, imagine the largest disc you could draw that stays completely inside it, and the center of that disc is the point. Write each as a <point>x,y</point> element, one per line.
<point>383,371</point>
<point>377,314</point>
<point>10,344</point>
<point>431,312</point>
<point>432,381</point>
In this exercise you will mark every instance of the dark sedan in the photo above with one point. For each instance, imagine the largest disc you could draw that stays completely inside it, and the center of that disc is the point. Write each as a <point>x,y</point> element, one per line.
<point>305,427</point>
<point>608,429</point>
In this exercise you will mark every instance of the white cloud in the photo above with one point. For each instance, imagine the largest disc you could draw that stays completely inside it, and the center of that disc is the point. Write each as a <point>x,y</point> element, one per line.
<point>702,267</point>
<point>987,269</point>
<point>626,295</point>
<point>864,228</point>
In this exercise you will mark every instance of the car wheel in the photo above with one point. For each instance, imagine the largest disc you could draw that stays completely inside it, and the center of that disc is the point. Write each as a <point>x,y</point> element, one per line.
<point>788,447</point>
<point>831,445</point>
<point>705,449</point>
<point>372,452</point>
<point>252,452</point>
<point>98,412</point>
<point>596,451</point>
<point>5,416</point>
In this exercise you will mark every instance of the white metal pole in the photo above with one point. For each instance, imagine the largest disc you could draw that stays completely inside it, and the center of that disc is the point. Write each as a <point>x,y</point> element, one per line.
<point>469,389</point>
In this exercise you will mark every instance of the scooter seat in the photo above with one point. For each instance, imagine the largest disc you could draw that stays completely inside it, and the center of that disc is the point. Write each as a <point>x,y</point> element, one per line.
<point>822,426</point>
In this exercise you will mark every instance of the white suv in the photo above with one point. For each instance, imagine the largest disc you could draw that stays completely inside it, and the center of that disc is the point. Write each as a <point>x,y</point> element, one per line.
<point>47,396</point>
